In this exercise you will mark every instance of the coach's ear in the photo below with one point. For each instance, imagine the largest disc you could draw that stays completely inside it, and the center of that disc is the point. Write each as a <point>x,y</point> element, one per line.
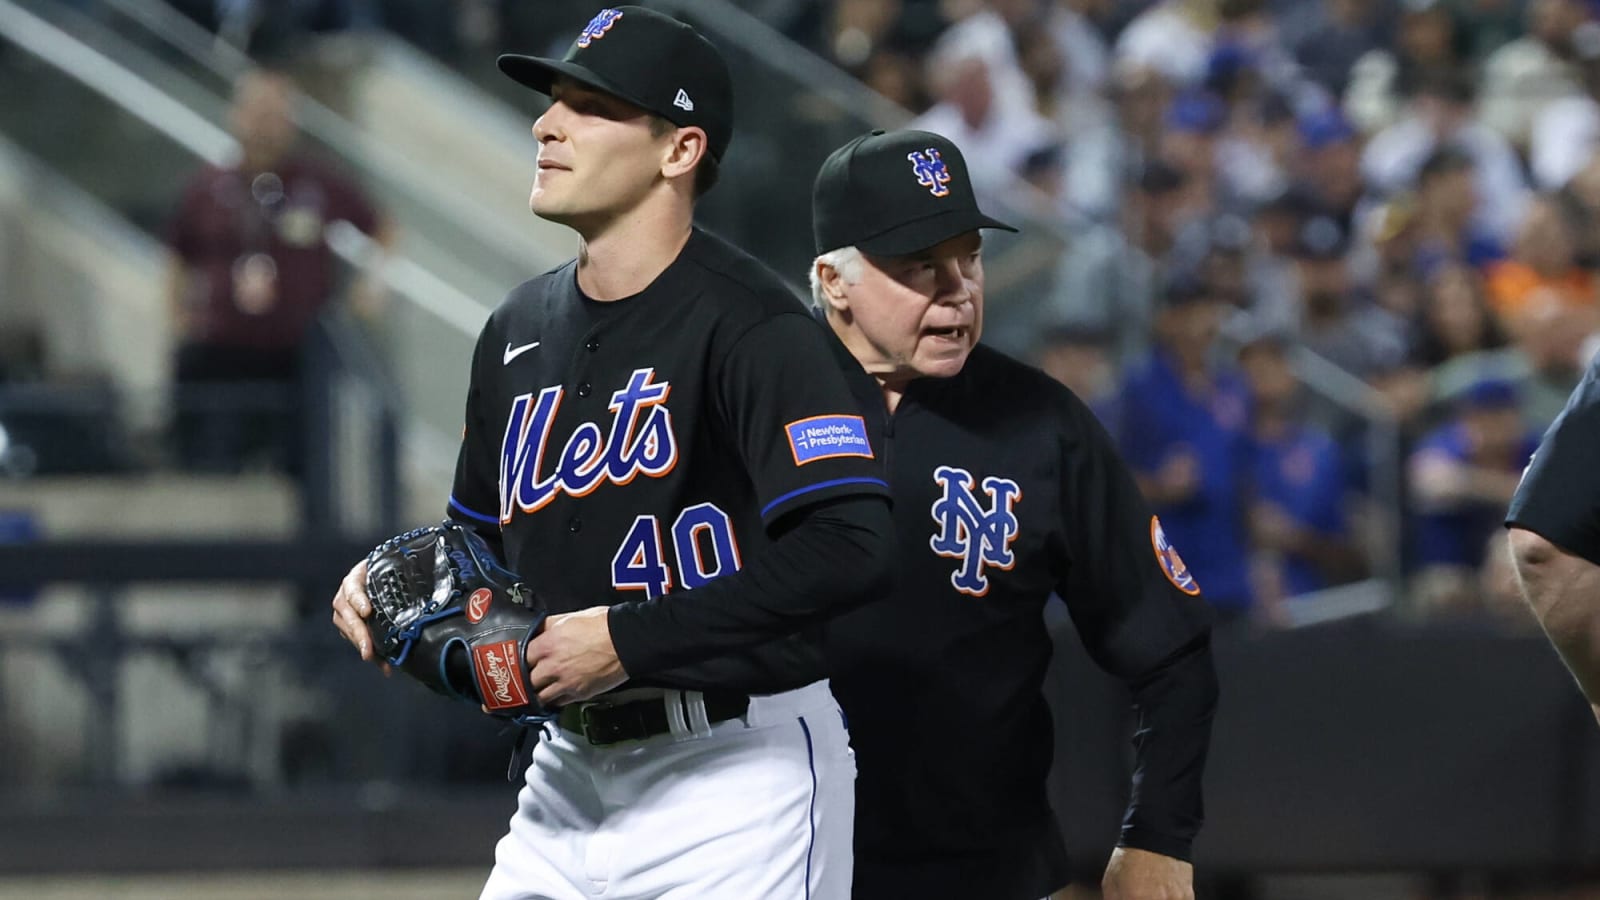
<point>831,288</point>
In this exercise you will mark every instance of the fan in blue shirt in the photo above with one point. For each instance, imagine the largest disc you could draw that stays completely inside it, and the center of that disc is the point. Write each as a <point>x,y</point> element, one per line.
<point>1184,434</point>
<point>1298,525</point>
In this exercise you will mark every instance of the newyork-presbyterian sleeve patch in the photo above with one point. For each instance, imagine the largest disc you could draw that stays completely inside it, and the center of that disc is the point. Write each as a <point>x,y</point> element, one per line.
<point>825,437</point>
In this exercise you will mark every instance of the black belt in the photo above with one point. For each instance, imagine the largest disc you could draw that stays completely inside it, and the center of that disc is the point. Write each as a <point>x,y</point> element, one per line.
<point>605,722</point>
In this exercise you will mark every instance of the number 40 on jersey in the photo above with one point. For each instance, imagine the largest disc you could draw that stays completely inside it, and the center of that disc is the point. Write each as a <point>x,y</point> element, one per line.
<point>702,544</point>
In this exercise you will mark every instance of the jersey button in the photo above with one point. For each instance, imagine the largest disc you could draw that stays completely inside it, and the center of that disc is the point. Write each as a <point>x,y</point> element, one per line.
<point>584,390</point>
<point>575,526</point>
<point>592,346</point>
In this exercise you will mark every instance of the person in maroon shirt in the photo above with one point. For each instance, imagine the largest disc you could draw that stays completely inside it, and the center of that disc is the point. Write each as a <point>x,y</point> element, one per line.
<point>249,272</point>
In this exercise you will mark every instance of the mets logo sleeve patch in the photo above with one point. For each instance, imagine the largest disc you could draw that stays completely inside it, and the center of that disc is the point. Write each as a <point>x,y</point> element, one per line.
<point>1171,562</point>
<point>826,437</point>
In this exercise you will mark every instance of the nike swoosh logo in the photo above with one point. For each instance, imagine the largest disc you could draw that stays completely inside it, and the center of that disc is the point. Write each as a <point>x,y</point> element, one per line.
<point>514,352</point>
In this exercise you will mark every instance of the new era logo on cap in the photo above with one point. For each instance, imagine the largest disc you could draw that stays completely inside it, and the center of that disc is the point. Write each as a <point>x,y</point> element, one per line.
<point>598,26</point>
<point>652,61</point>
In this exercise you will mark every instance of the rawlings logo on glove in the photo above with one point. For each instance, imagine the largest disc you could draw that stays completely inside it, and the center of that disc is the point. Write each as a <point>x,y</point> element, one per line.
<point>449,615</point>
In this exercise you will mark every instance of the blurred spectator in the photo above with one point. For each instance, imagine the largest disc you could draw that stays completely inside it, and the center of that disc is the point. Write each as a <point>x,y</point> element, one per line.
<point>1239,269</point>
<point>1486,25</point>
<point>1333,35</point>
<point>1184,434</point>
<point>995,131</point>
<point>896,75</point>
<point>854,30</point>
<point>1338,322</point>
<point>1189,141</point>
<point>1256,153</point>
<point>1223,265</point>
<point>1172,38</point>
<point>1523,77</point>
<point>1566,132</point>
<point>1456,319</point>
<point>1074,24</point>
<point>1446,197</point>
<point>1544,363</point>
<point>993,33</point>
<point>1439,116</point>
<point>1059,94</point>
<point>1275,229</point>
<point>1300,536</point>
<point>1039,57</point>
<point>1108,277</point>
<point>1080,358</point>
<point>1392,234</point>
<point>1543,266</point>
<point>1329,164</point>
<point>1581,199</point>
<point>1462,477</point>
<point>1102,156</point>
<point>249,273</point>
<point>1427,44</point>
<point>1554,344</point>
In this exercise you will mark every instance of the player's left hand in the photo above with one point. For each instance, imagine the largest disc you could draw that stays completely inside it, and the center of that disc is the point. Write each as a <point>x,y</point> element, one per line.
<point>573,659</point>
<point>1142,875</point>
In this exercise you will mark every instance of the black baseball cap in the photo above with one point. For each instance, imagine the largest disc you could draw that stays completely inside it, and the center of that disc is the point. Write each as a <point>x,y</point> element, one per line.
<point>891,193</point>
<point>653,61</point>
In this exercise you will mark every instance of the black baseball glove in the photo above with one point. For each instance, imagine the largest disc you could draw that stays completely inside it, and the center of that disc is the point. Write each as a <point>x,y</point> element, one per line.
<point>446,612</point>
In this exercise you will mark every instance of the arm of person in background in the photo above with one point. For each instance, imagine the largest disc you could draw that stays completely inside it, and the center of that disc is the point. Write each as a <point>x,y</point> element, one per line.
<point>1175,481</point>
<point>1564,592</point>
<point>369,292</point>
<point>179,314</point>
<point>1441,481</point>
<point>1331,552</point>
<point>1141,619</point>
<point>1167,473</point>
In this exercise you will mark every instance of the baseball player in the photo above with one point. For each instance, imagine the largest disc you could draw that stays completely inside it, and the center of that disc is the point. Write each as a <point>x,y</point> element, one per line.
<point>1555,533</point>
<point>658,440</point>
<point>1005,490</point>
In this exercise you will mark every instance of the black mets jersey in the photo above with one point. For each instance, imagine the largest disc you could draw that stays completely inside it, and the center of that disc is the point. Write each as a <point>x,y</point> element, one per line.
<point>1006,490</point>
<point>1559,497</point>
<point>638,448</point>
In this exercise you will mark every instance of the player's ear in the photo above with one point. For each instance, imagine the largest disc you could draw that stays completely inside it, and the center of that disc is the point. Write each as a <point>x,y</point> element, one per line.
<point>683,151</point>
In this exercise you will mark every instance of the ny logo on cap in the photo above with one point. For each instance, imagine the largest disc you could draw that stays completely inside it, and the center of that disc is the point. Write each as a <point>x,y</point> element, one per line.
<point>598,26</point>
<point>931,173</point>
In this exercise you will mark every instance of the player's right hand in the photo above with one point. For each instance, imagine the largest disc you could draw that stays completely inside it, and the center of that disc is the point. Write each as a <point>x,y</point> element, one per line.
<point>351,608</point>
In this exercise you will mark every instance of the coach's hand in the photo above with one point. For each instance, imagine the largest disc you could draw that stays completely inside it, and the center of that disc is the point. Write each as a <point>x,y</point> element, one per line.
<point>1142,875</point>
<point>573,658</point>
<point>351,608</point>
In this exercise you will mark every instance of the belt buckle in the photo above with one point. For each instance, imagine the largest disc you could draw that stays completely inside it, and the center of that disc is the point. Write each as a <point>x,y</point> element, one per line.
<point>585,723</point>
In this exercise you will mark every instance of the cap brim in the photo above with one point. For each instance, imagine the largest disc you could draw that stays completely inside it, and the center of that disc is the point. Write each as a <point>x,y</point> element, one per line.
<point>927,232</point>
<point>539,73</point>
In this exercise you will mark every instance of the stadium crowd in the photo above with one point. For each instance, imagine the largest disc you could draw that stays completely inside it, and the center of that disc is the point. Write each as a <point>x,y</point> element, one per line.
<point>1409,191</point>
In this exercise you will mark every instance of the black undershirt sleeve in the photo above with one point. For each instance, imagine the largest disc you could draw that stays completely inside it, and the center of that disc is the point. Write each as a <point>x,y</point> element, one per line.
<point>1141,619</point>
<point>826,558</point>
<point>1174,704</point>
<point>474,495</point>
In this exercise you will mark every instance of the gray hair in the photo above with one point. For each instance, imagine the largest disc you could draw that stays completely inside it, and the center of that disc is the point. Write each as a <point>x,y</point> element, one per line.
<point>847,261</point>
